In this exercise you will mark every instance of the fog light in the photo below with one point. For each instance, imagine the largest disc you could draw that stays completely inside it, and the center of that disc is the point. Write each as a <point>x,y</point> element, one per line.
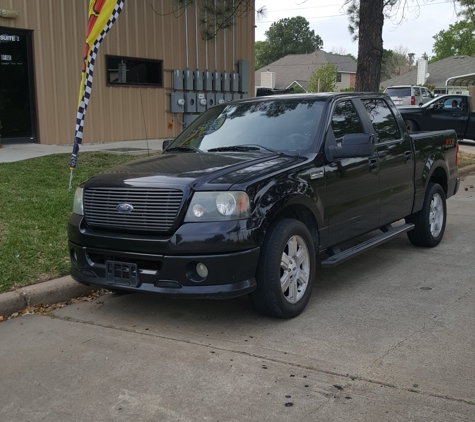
<point>202,270</point>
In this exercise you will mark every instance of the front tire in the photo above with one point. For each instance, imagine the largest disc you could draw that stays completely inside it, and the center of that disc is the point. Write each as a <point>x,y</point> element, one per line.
<point>430,221</point>
<point>286,270</point>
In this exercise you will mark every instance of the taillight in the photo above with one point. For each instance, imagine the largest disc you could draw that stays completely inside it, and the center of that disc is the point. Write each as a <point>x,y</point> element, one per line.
<point>457,154</point>
<point>413,100</point>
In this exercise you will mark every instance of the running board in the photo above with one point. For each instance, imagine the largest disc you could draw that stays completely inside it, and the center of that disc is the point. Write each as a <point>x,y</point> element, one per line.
<point>341,256</point>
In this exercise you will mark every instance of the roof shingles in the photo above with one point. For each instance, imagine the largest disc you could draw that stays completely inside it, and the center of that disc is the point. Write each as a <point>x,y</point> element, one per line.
<point>299,67</point>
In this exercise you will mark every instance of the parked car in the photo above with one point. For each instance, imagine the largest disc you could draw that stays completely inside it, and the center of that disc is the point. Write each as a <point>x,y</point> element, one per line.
<point>452,111</point>
<point>406,95</point>
<point>243,200</point>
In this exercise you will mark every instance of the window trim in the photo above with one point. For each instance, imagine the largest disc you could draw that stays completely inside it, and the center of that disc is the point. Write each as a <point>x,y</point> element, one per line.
<point>396,121</point>
<point>131,84</point>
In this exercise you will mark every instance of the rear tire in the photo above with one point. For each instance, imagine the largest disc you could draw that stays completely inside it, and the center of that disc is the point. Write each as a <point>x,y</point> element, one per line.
<point>430,220</point>
<point>286,270</point>
<point>411,126</point>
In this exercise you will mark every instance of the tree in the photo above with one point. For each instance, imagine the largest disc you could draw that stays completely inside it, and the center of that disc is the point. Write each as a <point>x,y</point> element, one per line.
<point>323,79</point>
<point>366,24</point>
<point>370,45</point>
<point>216,15</point>
<point>258,47</point>
<point>396,62</point>
<point>459,39</point>
<point>287,36</point>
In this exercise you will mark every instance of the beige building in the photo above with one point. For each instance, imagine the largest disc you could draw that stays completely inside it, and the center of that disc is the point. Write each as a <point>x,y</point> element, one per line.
<point>153,71</point>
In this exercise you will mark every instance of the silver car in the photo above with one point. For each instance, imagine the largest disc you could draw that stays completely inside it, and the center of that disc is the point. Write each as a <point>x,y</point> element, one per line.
<point>407,95</point>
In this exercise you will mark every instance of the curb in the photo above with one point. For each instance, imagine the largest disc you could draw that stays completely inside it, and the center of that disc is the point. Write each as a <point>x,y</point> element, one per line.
<point>467,170</point>
<point>59,290</point>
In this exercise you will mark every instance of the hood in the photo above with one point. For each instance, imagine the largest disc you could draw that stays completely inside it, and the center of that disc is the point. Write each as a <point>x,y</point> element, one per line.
<point>196,170</point>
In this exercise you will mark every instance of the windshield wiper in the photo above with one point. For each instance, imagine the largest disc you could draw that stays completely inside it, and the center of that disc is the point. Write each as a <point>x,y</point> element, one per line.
<point>244,147</point>
<point>184,148</point>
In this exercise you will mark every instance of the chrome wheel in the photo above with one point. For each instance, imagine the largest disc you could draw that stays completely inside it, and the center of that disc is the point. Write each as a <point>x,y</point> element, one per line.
<point>429,222</point>
<point>294,269</point>
<point>286,270</point>
<point>436,215</point>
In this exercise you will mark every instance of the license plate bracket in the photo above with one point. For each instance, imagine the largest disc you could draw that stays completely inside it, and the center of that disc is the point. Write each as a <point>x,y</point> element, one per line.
<point>122,273</point>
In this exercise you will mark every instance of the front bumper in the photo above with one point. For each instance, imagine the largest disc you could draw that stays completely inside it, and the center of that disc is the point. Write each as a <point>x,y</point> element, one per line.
<point>229,274</point>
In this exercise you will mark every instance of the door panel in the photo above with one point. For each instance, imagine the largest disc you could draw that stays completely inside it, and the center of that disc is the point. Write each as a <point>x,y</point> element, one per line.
<point>396,162</point>
<point>443,115</point>
<point>352,184</point>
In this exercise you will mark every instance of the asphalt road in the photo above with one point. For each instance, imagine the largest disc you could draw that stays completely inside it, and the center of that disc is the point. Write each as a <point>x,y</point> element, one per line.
<point>388,336</point>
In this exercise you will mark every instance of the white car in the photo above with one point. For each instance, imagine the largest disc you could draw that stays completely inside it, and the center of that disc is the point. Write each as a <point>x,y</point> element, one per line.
<point>407,95</point>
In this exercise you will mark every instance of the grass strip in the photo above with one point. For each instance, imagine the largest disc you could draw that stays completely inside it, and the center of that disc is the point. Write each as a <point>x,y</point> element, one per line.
<point>35,206</point>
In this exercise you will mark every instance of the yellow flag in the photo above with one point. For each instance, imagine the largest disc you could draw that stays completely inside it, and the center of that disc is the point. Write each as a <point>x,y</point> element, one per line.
<point>102,16</point>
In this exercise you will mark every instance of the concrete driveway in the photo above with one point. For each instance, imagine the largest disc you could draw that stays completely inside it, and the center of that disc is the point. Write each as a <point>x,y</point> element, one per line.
<point>388,336</point>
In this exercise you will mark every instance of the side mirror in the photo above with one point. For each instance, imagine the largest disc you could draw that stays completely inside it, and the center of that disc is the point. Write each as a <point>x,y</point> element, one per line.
<point>166,144</point>
<point>354,145</point>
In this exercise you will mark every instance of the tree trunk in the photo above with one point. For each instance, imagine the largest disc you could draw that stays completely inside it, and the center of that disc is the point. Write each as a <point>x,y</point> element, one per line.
<point>370,46</point>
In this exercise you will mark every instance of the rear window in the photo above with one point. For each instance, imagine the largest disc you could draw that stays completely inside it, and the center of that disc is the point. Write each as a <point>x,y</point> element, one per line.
<point>398,92</point>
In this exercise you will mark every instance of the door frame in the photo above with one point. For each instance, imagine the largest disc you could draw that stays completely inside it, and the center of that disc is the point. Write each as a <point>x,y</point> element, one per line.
<point>28,34</point>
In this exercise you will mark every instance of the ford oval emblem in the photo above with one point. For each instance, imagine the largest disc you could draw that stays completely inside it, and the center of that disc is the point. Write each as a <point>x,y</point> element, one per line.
<point>124,208</point>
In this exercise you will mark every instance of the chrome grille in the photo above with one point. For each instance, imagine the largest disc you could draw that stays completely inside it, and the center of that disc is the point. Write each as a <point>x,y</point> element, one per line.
<point>154,209</point>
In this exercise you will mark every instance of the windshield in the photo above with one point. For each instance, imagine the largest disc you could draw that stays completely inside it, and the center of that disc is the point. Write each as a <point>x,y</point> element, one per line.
<point>273,124</point>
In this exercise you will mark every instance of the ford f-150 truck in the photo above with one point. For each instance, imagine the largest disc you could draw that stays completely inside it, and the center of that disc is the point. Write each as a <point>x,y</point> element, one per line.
<point>247,196</point>
<point>450,111</point>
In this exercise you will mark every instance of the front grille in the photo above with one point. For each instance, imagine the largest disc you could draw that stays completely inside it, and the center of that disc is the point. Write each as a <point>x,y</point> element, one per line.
<point>153,209</point>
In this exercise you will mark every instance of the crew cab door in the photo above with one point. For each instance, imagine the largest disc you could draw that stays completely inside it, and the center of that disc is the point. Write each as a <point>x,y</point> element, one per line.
<point>445,114</point>
<point>395,162</point>
<point>351,198</point>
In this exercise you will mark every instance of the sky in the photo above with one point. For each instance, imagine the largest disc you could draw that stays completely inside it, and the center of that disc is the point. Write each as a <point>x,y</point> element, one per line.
<point>328,20</point>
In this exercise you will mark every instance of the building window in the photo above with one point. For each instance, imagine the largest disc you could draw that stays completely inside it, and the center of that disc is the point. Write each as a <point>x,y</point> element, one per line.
<point>338,77</point>
<point>133,71</point>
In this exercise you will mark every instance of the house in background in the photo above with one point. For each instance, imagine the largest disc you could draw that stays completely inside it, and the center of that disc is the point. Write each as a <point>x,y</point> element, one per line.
<point>295,70</point>
<point>444,74</point>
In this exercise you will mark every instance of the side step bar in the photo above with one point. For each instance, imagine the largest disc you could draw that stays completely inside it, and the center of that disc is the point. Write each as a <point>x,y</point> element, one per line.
<point>337,256</point>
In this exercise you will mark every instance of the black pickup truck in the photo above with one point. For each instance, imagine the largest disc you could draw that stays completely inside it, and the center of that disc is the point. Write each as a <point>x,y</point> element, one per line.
<point>450,111</point>
<point>248,195</point>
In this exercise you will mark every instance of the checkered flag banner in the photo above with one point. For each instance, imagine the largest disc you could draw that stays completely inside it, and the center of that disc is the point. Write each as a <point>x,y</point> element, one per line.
<point>102,16</point>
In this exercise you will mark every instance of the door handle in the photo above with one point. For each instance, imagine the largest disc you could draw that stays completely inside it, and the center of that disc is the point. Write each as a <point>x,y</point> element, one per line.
<point>407,156</point>
<point>373,163</point>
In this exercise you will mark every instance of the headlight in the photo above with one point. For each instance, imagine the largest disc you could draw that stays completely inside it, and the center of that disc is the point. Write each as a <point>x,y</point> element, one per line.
<point>78,207</point>
<point>218,206</point>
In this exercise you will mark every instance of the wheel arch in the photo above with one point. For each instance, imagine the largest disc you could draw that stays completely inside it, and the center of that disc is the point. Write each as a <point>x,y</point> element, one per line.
<point>297,211</point>
<point>439,175</point>
<point>411,125</point>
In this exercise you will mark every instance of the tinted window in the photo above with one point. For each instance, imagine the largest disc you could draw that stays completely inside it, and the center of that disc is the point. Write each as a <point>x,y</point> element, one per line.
<point>398,92</point>
<point>277,124</point>
<point>383,120</point>
<point>131,71</point>
<point>448,104</point>
<point>345,120</point>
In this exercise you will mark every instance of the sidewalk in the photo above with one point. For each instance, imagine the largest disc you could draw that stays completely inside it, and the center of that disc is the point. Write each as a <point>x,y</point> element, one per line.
<point>11,152</point>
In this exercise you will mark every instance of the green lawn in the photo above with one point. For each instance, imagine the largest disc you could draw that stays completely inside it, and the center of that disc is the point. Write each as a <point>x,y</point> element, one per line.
<point>35,206</point>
